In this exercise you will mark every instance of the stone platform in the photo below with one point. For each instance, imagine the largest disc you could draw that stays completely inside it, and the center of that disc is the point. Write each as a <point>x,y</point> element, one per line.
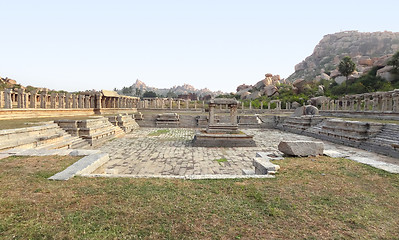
<point>205,139</point>
<point>171,154</point>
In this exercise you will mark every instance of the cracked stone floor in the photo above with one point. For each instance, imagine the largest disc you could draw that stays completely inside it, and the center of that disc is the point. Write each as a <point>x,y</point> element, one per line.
<point>155,151</point>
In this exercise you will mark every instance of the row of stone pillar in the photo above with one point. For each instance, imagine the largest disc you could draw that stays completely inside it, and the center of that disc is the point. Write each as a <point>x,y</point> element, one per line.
<point>45,100</point>
<point>278,105</point>
<point>375,102</point>
<point>160,103</point>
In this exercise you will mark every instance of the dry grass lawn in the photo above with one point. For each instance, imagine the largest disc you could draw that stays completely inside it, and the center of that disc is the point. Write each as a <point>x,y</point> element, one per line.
<point>310,198</point>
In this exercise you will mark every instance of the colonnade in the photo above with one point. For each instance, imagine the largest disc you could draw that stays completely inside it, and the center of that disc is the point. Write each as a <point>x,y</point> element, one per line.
<point>45,100</point>
<point>373,102</point>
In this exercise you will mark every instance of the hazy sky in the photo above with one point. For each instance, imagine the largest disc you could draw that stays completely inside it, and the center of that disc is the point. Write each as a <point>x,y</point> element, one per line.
<point>81,45</point>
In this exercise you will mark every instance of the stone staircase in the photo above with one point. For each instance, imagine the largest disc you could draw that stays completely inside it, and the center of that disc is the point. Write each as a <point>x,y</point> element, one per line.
<point>47,136</point>
<point>126,122</point>
<point>95,131</point>
<point>386,141</point>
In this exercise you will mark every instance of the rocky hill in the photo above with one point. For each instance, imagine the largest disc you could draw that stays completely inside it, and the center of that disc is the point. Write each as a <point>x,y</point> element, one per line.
<point>366,50</point>
<point>139,87</point>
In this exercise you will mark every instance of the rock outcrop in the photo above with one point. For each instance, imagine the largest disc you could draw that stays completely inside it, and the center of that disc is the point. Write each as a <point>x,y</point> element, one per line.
<point>265,87</point>
<point>366,50</point>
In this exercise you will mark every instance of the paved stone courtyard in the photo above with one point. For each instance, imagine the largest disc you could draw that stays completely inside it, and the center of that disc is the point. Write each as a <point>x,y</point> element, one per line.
<point>154,151</point>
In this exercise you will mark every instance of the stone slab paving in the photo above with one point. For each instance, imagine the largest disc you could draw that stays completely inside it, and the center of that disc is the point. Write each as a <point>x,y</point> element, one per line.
<point>172,154</point>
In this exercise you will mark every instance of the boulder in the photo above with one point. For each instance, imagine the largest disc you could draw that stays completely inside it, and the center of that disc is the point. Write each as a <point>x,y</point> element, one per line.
<point>306,110</point>
<point>385,73</point>
<point>317,101</point>
<point>320,90</point>
<point>254,95</point>
<point>301,148</point>
<point>295,105</point>
<point>270,90</point>
<point>245,95</point>
<point>366,61</point>
<point>324,76</point>
<point>335,73</point>
<point>299,83</point>
<point>242,87</point>
<point>382,61</point>
<point>340,80</point>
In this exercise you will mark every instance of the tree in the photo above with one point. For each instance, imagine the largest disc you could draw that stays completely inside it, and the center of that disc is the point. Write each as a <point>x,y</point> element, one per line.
<point>346,67</point>
<point>149,94</point>
<point>394,62</point>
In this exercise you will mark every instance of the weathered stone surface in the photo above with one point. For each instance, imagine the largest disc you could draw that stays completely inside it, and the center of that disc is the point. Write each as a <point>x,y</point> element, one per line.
<point>306,110</point>
<point>264,166</point>
<point>340,79</point>
<point>385,73</point>
<point>270,90</point>
<point>301,148</point>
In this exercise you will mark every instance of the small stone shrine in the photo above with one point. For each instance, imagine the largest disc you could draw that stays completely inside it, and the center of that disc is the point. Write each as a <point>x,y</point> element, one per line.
<point>223,134</point>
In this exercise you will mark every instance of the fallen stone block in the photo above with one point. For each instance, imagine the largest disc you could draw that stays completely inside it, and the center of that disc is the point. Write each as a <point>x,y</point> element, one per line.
<point>264,166</point>
<point>301,148</point>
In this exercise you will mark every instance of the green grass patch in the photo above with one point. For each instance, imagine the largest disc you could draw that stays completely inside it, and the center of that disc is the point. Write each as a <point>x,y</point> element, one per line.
<point>159,132</point>
<point>221,160</point>
<point>350,201</point>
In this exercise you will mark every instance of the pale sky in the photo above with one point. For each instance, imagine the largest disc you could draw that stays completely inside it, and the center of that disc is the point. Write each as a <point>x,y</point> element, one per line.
<point>83,45</point>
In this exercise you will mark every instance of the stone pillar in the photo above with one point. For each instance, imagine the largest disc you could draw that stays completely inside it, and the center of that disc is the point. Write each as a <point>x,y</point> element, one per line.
<point>43,99</point>
<point>211,113</point>
<point>74,101</point>
<point>366,98</point>
<point>220,106</point>
<point>92,100</point>
<point>384,103</point>
<point>20,98</point>
<point>203,104</point>
<point>1,99</point>
<point>395,98</point>
<point>53,98</point>
<point>195,104</point>
<point>187,104</point>
<point>80,101</point>
<point>33,99</point>
<point>358,103</point>
<point>98,104</point>
<point>242,106</point>
<point>86,101</point>
<point>250,104</point>
<point>68,98</point>
<point>233,114</point>
<point>268,105</point>
<point>7,98</point>
<point>178,104</point>
<point>61,100</point>
<point>170,103</point>
<point>389,104</point>
<point>261,105</point>
<point>162,103</point>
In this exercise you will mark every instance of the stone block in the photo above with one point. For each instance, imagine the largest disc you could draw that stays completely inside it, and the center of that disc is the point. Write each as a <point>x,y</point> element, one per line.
<point>263,166</point>
<point>301,148</point>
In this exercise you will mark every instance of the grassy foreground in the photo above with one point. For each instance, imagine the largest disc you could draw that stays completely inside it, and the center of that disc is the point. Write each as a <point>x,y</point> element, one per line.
<point>311,198</point>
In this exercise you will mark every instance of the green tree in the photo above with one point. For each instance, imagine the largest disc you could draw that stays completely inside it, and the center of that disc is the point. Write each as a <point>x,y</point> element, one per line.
<point>394,61</point>
<point>346,67</point>
<point>149,94</point>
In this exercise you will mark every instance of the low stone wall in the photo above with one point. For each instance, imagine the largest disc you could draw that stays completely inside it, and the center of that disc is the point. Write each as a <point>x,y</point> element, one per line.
<point>368,115</point>
<point>376,137</point>
<point>48,113</point>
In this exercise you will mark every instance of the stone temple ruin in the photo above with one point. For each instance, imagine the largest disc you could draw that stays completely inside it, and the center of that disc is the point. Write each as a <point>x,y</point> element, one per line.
<point>223,134</point>
<point>158,137</point>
